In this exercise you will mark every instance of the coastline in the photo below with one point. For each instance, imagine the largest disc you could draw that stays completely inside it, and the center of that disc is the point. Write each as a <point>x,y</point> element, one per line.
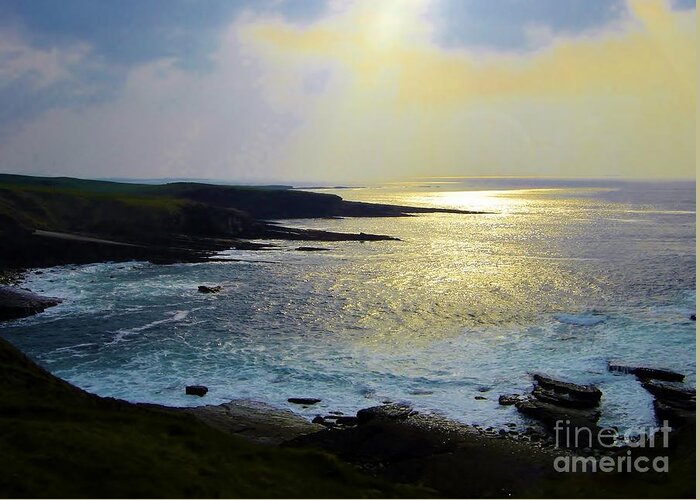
<point>383,453</point>
<point>423,450</point>
<point>42,220</point>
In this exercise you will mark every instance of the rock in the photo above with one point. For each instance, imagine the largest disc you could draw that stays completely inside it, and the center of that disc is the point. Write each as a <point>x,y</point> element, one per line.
<point>304,401</point>
<point>549,413</point>
<point>509,399</point>
<point>646,372</point>
<point>580,392</point>
<point>562,398</point>
<point>318,419</point>
<point>208,289</point>
<point>196,390</point>
<point>312,249</point>
<point>692,316</point>
<point>480,398</point>
<point>669,390</point>
<point>387,412</point>
<point>571,427</point>
<point>255,421</point>
<point>19,303</point>
<point>674,414</point>
<point>347,421</point>
<point>484,388</point>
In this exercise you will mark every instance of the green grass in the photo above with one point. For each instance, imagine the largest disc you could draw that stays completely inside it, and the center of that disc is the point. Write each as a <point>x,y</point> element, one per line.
<point>57,441</point>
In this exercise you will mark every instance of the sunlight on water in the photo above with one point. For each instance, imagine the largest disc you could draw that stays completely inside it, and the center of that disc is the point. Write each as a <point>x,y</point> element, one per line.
<point>561,277</point>
<point>502,202</point>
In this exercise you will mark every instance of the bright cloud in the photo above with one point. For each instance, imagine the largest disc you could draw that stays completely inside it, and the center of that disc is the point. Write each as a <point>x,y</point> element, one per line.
<point>619,101</point>
<point>367,92</point>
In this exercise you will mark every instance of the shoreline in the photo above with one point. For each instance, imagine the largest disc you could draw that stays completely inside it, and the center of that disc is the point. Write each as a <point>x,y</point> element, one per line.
<point>398,451</point>
<point>42,222</point>
<point>415,448</point>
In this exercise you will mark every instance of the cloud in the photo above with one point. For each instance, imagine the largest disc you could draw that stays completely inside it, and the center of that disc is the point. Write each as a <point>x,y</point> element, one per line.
<point>165,121</point>
<point>127,32</point>
<point>35,79</point>
<point>507,24</point>
<point>361,91</point>
<point>619,101</point>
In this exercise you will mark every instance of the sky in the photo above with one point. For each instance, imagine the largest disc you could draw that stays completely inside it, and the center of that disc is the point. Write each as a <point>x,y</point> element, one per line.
<point>347,90</point>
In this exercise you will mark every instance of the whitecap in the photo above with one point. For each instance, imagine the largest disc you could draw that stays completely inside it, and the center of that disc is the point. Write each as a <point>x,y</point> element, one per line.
<point>175,316</point>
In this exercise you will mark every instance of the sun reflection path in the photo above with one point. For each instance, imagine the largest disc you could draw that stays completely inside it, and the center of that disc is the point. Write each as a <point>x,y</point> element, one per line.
<point>499,201</point>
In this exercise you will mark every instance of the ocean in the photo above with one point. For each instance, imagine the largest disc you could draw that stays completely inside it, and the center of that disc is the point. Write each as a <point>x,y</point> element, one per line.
<point>560,277</point>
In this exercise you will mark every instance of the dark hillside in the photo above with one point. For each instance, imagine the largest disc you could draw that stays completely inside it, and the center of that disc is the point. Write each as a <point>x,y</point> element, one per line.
<point>58,441</point>
<point>59,220</point>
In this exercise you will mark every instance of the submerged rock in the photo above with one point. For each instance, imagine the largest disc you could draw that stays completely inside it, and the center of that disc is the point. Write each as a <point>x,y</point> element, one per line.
<point>208,289</point>
<point>312,249</point>
<point>19,303</point>
<point>304,401</point>
<point>196,390</point>
<point>646,372</point>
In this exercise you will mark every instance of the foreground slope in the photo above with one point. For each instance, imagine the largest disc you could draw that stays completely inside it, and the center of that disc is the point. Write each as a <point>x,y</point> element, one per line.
<point>58,441</point>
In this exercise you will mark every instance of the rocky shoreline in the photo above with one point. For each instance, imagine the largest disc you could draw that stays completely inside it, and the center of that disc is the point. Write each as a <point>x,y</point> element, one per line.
<point>396,444</point>
<point>42,222</point>
<point>17,303</point>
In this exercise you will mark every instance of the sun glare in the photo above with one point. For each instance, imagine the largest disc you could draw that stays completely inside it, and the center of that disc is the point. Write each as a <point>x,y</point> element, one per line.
<point>394,21</point>
<point>500,201</point>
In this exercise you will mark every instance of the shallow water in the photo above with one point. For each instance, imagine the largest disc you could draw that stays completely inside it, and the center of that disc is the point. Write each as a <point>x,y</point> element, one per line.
<point>561,277</point>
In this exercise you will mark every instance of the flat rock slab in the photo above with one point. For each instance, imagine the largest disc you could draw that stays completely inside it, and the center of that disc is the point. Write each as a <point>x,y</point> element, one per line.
<point>549,414</point>
<point>570,400</point>
<point>669,390</point>
<point>581,392</point>
<point>384,412</point>
<point>255,421</point>
<point>19,303</point>
<point>646,372</point>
